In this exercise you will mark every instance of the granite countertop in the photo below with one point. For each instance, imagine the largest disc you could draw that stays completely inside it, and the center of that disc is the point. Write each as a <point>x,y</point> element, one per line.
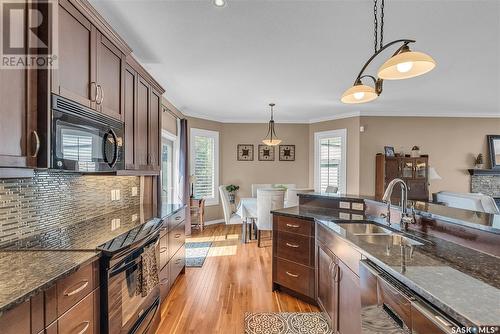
<point>478,220</point>
<point>32,264</point>
<point>463,283</point>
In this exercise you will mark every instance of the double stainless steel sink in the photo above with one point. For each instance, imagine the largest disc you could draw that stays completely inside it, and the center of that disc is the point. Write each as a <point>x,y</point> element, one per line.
<point>376,234</point>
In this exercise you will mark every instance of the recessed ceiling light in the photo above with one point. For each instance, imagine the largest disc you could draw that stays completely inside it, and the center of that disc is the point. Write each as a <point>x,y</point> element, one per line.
<point>219,3</point>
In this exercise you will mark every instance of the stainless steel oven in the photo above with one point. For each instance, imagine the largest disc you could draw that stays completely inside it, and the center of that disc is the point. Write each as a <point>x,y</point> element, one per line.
<point>124,308</point>
<point>83,140</point>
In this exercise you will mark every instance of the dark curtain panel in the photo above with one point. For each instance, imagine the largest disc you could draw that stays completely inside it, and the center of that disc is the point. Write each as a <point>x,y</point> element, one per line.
<point>184,170</point>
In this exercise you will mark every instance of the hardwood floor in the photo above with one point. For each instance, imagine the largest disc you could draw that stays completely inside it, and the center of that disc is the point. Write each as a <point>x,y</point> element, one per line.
<point>236,278</point>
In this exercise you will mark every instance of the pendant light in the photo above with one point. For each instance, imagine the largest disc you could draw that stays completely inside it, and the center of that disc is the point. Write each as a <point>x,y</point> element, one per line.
<point>403,64</point>
<point>269,140</point>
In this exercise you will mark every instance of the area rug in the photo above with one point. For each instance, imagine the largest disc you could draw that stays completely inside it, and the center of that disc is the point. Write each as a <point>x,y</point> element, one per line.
<point>286,323</point>
<point>196,253</point>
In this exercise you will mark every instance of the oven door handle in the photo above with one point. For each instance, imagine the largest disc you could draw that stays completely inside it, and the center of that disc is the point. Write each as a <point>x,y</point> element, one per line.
<point>130,263</point>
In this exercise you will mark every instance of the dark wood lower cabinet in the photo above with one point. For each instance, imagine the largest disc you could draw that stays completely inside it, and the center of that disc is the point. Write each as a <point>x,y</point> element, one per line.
<point>349,301</point>
<point>327,287</point>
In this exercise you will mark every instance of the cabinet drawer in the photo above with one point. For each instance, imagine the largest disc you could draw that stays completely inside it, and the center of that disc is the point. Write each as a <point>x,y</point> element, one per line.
<point>80,318</point>
<point>295,276</point>
<point>294,247</point>
<point>177,263</point>
<point>176,238</point>
<point>164,282</point>
<point>294,225</point>
<point>73,288</point>
<point>163,251</point>
<point>175,219</point>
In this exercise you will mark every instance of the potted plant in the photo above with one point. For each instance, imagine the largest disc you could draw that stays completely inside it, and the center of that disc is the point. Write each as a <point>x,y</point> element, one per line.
<point>232,189</point>
<point>479,161</point>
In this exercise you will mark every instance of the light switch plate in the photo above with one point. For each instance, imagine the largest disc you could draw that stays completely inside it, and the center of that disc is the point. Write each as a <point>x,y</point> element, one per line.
<point>115,224</point>
<point>134,191</point>
<point>134,217</point>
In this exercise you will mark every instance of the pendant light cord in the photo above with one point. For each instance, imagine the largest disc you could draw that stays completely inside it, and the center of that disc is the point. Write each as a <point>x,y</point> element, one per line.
<point>375,24</point>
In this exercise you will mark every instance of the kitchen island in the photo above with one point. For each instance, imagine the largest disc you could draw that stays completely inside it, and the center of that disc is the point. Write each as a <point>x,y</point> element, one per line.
<point>460,283</point>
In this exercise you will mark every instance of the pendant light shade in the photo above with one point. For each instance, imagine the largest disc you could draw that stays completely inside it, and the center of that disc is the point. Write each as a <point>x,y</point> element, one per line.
<point>407,64</point>
<point>271,137</point>
<point>359,93</point>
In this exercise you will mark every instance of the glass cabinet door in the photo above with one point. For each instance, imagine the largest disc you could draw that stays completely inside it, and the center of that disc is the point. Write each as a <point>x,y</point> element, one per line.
<point>407,168</point>
<point>420,168</point>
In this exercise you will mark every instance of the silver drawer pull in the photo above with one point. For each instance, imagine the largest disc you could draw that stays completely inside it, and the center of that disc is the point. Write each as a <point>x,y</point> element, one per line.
<point>177,218</point>
<point>293,225</point>
<point>292,245</point>
<point>163,249</point>
<point>82,286</point>
<point>86,325</point>
<point>178,261</point>
<point>37,144</point>
<point>177,236</point>
<point>164,281</point>
<point>292,275</point>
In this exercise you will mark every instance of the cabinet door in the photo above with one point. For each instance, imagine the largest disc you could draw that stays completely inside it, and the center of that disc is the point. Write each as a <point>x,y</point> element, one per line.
<point>19,141</point>
<point>326,287</point>
<point>75,78</point>
<point>406,168</point>
<point>349,301</point>
<point>417,189</point>
<point>129,113</point>
<point>154,130</point>
<point>141,139</point>
<point>421,168</point>
<point>110,68</point>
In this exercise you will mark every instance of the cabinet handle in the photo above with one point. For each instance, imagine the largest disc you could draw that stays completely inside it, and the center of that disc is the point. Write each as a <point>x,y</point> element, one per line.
<point>178,261</point>
<point>336,274</point>
<point>163,249</point>
<point>291,275</point>
<point>293,225</point>
<point>82,286</point>
<point>85,327</point>
<point>101,95</point>
<point>292,245</point>
<point>37,144</point>
<point>93,97</point>
<point>178,218</point>
<point>164,281</point>
<point>177,236</point>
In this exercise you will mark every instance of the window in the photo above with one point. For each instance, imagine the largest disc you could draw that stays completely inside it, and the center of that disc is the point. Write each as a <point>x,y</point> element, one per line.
<point>169,168</point>
<point>204,148</point>
<point>330,160</point>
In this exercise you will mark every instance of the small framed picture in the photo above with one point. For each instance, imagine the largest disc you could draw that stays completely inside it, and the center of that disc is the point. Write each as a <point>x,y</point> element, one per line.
<point>245,152</point>
<point>389,151</point>
<point>266,153</point>
<point>287,152</point>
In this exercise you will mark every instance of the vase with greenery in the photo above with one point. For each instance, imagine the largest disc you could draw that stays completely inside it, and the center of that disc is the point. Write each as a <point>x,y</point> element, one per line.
<point>479,161</point>
<point>232,189</point>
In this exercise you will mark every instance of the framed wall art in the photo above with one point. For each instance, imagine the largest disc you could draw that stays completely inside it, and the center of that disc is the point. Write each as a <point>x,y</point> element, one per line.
<point>287,152</point>
<point>266,153</point>
<point>245,152</point>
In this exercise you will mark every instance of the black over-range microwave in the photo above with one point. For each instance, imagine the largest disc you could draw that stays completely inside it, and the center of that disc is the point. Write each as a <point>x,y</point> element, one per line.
<point>83,140</point>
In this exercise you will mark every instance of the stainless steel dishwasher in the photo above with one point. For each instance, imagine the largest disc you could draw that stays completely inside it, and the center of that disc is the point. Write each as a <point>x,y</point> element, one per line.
<point>387,306</point>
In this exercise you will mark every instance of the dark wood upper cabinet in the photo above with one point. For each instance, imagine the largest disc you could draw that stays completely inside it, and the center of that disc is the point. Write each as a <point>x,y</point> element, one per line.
<point>154,129</point>
<point>129,113</point>
<point>75,78</point>
<point>141,140</point>
<point>110,69</point>
<point>19,139</point>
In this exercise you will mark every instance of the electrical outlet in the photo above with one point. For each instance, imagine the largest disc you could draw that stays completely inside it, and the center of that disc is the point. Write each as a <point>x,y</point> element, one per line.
<point>113,195</point>
<point>115,224</point>
<point>134,191</point>
<point>134,217</point>
<point>118,194</point>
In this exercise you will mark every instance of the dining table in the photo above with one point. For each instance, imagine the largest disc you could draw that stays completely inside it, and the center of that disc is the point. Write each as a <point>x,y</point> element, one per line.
<point>247,210</point>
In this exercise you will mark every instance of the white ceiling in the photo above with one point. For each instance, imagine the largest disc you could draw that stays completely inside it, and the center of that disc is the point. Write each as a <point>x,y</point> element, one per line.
<point>228,63</point>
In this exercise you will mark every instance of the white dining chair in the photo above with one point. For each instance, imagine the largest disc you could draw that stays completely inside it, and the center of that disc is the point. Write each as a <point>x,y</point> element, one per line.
<point>267,200</point>
<point>292,198</point>
<point>229,216</point>
<point>285,185</point>
<point>256,186</point>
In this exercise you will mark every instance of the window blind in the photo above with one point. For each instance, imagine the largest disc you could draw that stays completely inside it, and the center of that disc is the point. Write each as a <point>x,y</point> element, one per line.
<point>330,159</point>
<point>204,167</point>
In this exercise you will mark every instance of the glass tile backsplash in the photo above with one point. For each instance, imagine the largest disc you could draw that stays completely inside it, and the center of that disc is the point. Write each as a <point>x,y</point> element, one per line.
<point>51,199</point>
